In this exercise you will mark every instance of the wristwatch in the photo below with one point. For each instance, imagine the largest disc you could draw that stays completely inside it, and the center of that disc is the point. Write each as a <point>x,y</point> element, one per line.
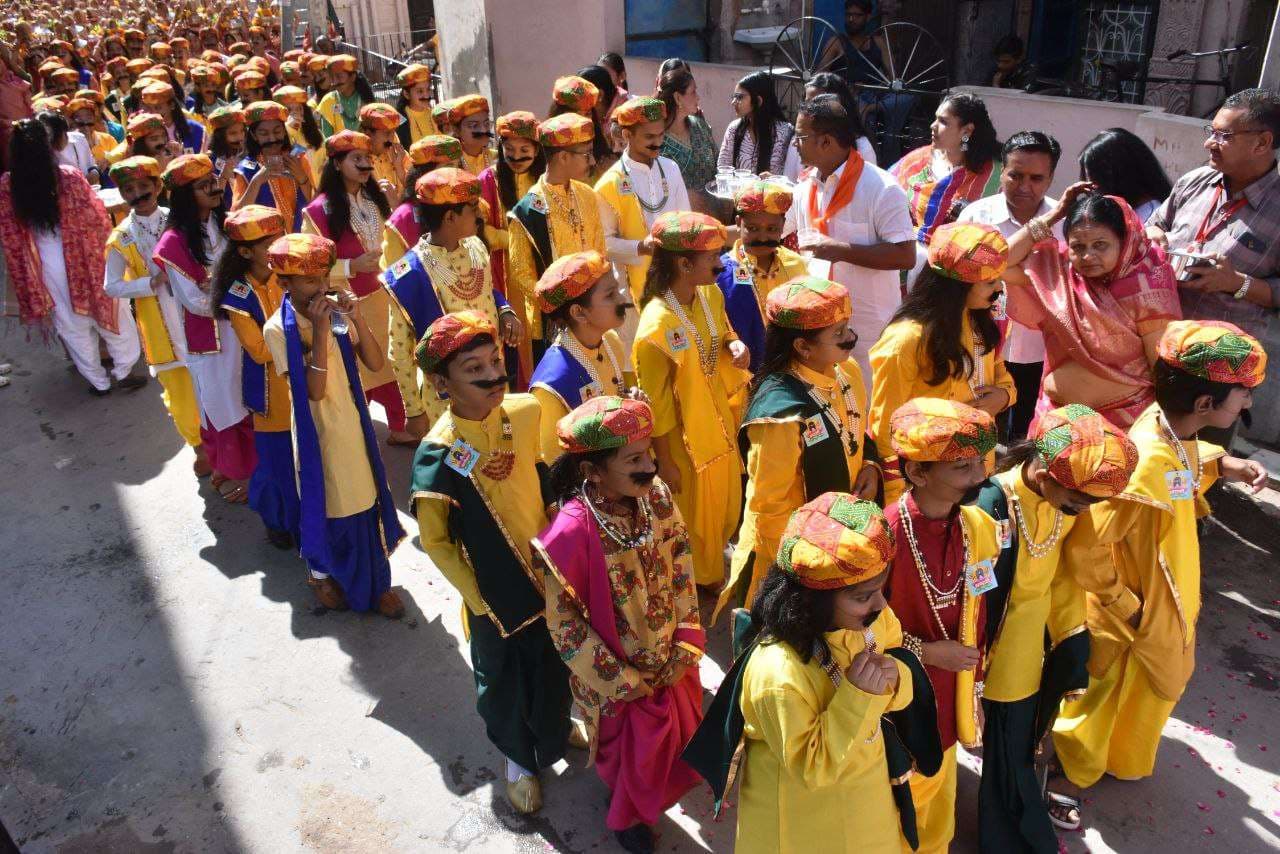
<point>1244,288</point>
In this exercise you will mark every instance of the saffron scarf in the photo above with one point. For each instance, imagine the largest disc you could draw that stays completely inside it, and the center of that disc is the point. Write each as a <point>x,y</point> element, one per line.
<point>842,196</point>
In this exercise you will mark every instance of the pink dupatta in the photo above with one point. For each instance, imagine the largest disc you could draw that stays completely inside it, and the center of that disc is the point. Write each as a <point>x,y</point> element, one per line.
<point>1100,323</point>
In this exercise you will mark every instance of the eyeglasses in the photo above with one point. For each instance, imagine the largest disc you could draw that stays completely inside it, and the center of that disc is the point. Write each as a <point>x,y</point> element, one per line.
<point>1225,136</point>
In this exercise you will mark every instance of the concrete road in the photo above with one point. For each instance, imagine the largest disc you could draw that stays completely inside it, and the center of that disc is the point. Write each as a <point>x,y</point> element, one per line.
<point>167,686</point>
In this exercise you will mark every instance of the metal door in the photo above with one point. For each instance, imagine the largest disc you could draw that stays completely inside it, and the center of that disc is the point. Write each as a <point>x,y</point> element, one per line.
<point>663,28</point>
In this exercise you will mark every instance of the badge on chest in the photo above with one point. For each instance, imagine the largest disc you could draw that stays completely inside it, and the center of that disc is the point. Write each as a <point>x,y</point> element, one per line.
<point>980,577</point>
<point>1181,486</point>
<point>462,458</point>
<point>677,340</point>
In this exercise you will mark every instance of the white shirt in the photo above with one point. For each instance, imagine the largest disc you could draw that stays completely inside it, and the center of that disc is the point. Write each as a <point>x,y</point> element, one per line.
<point>646,183</point>
<point>77,153</point>
<point>146,232</point>
<point>1024,346</point>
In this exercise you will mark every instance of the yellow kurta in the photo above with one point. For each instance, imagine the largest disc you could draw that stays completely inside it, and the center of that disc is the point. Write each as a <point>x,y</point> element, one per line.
<point>573,221</point>
<point>784,266</point>
<point>899,369</point>
<point>477,163</point>
<point>815,777</point>
<point>775,478</point>
<point>653,595</point>
<point>696,413</point>
<point>612,382</point>
<point>1137,550</point>
<point>498,239</point>
<point>386,169</point>
<point>515,502</point>
<point>462,281</point>
<point>1044,596</point>
<point>348,476</point>
<point>420,123</point>
<point>279,414</point>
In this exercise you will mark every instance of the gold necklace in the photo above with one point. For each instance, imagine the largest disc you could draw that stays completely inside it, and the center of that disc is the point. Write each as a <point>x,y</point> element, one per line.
<point>935,597</point>
<point>465,286</point>
<point>571,212</point>
<point>979,376</point>
<point>707,358</point>
<point>501,459</point>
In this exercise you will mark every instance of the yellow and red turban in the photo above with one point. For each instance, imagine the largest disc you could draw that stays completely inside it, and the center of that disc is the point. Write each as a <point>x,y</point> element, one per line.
<point>467,105</point>
<point>637,111</point>
<point>808,303</point>
<point>69,75</point>
<point>301,255</point>
<point>49,66</point>
<point>134,34</point>
<point>688,231</point>
<point>161,51</point>
<point>203,73</point>
<point>447,186</point>
<point>436,148</point>
<point>932,430</point>
<point>569,277</point>
<point>412,75</point>
<point>144,124</point>
<point>250,79</point>
<point>178,41</point>
<point>186,168</point>
<point>134,169</point>
<point>379,116</point>
<point>294,54</point>
<point>221,117</point>
<point>347,140</point>
<point>265,111</point>
<point>289,95</point>
<point>91,95</point>
<point>449,334</point>
<point>763,197</point>
<point>77,103</point>
<point>239,49</point>
<point>52,103</point>
<point>576,93</point>
<point>289,70</point>
<point>521,124</point>
<point>319,62</point>
<point>252,223</point>
<point>342,62</point>
<point>1214,350</point>
<point>835,541</point>
<point>156,74</point>
<point>1084,451</point>
<point>135,67</point>
<point>566,129</point>
<point>968,251</point>
<point>604,423</point>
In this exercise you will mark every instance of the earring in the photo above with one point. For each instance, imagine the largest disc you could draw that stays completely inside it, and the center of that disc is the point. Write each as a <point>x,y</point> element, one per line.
<point>964,143</point>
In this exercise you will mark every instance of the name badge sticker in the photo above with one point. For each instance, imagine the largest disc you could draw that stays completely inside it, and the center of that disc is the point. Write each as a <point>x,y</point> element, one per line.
<point>462,458</point>
<point>815,430</point>
<point>590,390</point>
<point>981,577</point>
<point>741,275</point>
<point>625,188</point>
<point>677,340</point>
<point>1180,484</point>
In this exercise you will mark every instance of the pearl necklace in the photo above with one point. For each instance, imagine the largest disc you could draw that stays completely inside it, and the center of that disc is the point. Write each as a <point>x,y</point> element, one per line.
<point>640,538</point>
<point>366,221</point>
<point>1034,549</point>
<point>979,376</point>
<point>746,261</point>
<point>1181,450</point>
<point>935,597</point>
<point>666,190</point>
<point>466,286</point>
<point>853,418</point>
<point>707,358</point>
<point>577,350</point>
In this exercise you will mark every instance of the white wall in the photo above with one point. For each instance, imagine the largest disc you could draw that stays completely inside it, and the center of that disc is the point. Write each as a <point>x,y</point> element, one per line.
<point>464,40</point>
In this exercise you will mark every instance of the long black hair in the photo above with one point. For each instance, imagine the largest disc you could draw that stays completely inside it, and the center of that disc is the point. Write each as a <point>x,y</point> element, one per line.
<point>827,83</point>
<point>937,303</point>
<point>184,218</point>
<point>182,126</point>
<point>779,350</point>
<point>983,144</point>
<point>662,269</point>
<point>34,176</point>
<point>599,76</point>
<point>337,207</point>
<point>363,89</point>
<point>218,145</point>
<point>311,128</point>
<point>677,80</point>
<point>1018,454</point>
<point>231,267</point>
<point>57,126</point>
<point>507,179</point>
<point>564,478</point>
<point>787,611</point>
<point>1120,164</point>
<point>765,114</point>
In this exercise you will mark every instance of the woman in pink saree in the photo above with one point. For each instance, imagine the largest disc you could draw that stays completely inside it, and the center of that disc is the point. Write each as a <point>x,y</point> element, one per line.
<point>1102,298</point>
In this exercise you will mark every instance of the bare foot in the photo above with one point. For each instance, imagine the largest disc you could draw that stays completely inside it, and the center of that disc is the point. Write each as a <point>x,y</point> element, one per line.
<point>201,466</point>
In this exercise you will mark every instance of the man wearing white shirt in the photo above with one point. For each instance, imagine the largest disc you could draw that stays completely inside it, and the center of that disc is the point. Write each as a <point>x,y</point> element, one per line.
<point>852,219</point>
<point>1029,158</point>
<point>636,190</point>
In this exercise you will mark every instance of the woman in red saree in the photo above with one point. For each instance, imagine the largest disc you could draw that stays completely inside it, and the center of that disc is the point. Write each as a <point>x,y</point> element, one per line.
<point>1102,299</point>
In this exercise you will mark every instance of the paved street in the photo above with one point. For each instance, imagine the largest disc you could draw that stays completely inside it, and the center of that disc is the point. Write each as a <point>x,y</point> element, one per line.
<point>167,686</point>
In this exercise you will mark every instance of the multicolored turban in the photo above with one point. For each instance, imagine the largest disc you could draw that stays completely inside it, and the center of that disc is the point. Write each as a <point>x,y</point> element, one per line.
<point>137,66</point>
<point>566,129</point>
<point>342,62</point>
<point>59,75</point>
<point>763,197</point>
<point>76,104</point>
<point>412,75</point>
<point>252,223</point>
<point>203,74</point>
<point>379,116</point>
<point>968,252</point>
<point>467,105</point>
<point>91,95</point>
<point>52,64</point>
<point>521,124</point>
<point>265,111</point>
<point>569,277</point>
<point>144,124</point>
<point>155,74</point>
<point>288,95</point>
<point>835,541</point>
<point>637,111</point>
<point>932,430</point>
<point>808,303</point>
<point>1085,451</point>
<point>449,334</point>
<point>178,41</point>
<point>1214,350</point>
<point>186,168</point>
<point>301,255</point>
<point>447,186</point>
<point>688,231</point>
<point>347,140</point>
<point>134,169</point>
<point>442,112</point>
<point>250,79</point>
<point>289,70</point>
<point>604,423</point>
<point>436,148</point>
<point>52,103</point>
<point>225,116</point>
<point>294,54</point>
<point>319,62</point>
<point>161,51</point>
<point>576,93</point>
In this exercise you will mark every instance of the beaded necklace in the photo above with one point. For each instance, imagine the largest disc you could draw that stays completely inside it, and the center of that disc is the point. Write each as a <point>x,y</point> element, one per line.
<point>466,286</point>
<point>979,376</point>
<point>501,459</point>
<point>575,348</point>
<point>707,357</point>
<point>1020,518</point>
<point>1181,450</point>
<point>366,221</point>
<point>666,190</point>
<point>746,261</point>
<point>641,537</point>
<point>935,597</point>
<point>571,213</point>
